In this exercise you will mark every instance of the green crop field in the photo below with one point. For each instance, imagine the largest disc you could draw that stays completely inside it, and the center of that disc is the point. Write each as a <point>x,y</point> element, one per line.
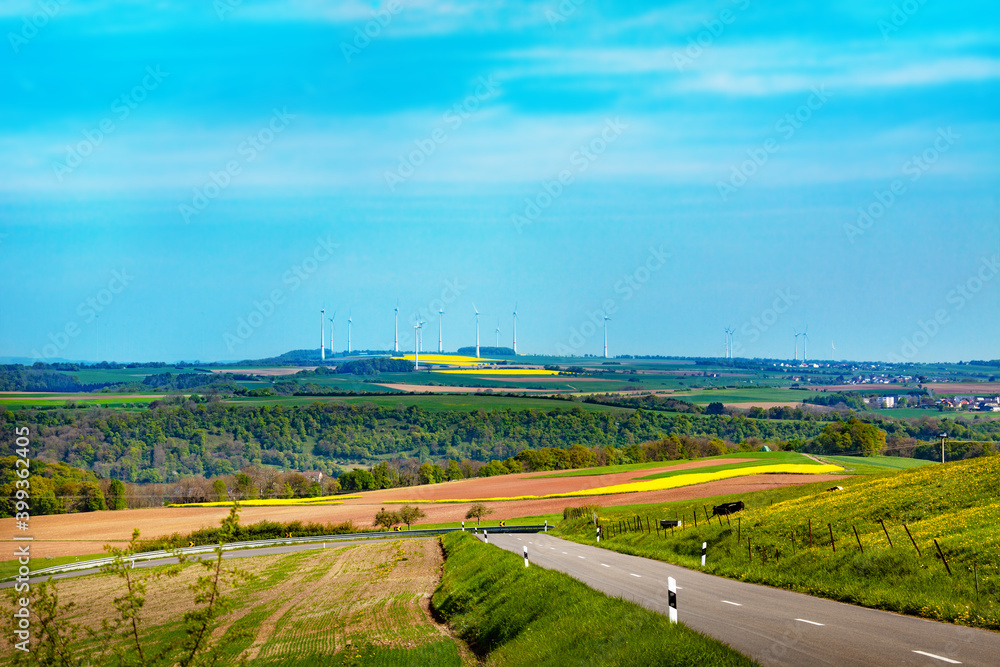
<point>356,605</point>
<point>784,539</point>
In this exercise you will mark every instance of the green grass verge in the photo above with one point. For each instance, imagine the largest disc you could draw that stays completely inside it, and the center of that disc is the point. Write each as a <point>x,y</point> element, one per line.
<point>539,519</point>
<point>532,616</point>
<point>955,504</point>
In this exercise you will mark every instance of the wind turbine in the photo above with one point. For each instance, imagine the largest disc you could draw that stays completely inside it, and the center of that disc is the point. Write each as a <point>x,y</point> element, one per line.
<point>729,342</point>
<point>440,330</point>
<point>805,344</point>
<point>396,329</point>
<point>498,334</point>
<point>322,334</point>
<point>349,322</point>
<point>477,329</point>
<point>796,356</point>
<point>606,318</point>
<point>515,329</point>
<point>416,345</point>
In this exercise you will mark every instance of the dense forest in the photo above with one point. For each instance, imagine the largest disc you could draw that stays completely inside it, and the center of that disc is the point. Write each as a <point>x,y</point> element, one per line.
<point>208,437</point>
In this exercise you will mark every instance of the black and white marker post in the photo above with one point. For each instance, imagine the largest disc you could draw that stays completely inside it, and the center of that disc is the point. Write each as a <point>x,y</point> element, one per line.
<point>486,536</point>
<point>704,550</point>
<point>526,555</point>
<point>546,526</point>
<point>672,598</point>
<point>463,526</point>
<point>598,534</point>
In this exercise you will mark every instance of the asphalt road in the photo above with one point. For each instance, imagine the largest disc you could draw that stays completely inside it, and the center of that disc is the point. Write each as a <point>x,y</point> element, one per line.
<point>773,626</point>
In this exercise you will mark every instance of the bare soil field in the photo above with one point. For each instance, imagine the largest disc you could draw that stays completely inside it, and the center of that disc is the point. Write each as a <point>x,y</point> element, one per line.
<point>81,534</point>
<point>438,389</point>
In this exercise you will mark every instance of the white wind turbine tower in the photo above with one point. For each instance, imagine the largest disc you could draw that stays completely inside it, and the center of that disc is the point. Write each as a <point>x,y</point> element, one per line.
<point>805,344</point>
<point>440,330</point>
<point>477,329</point>
<point>796,356</point>
<point>606,318</point>
<point>498,334</point>
<point>395,329</point>
<point>349,322</point>
<point>322,334</point>
<point>515,329</point>
<point>416,345</point>
<point>729,342</point>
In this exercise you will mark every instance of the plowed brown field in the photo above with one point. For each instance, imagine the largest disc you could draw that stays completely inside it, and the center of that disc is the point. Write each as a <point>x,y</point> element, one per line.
<point>80,534</point>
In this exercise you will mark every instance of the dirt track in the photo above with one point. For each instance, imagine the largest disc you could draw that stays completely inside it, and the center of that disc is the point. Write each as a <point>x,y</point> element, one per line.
<point>80,534</point>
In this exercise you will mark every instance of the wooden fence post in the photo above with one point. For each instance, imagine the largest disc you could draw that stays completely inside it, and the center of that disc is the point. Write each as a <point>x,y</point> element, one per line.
<point>912,540</point>
<point>886,532</point>
<point>858,538</point>
<point>943,559</point>
<point>810,533</point>
<point>739,529</point>
<point>832,543</point>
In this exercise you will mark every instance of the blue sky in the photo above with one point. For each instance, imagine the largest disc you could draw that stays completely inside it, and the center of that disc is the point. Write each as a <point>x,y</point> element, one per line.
<point>688,166</point>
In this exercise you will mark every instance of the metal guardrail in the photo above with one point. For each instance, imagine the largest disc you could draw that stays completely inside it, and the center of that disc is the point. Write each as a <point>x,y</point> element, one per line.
<point>257,544</point>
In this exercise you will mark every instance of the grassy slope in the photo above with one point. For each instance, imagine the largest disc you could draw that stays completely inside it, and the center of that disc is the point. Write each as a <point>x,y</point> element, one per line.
<point>532,616</point>
<point>957,504</point>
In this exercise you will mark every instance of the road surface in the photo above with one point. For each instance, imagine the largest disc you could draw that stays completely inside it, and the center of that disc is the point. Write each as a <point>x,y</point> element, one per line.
<point>773,626</point>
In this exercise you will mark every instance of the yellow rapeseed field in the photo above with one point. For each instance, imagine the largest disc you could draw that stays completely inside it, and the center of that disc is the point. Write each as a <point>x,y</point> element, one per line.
<point>273,502</point>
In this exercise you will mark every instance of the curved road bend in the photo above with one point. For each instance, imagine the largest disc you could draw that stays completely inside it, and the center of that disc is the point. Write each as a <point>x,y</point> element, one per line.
<point>773,626</point>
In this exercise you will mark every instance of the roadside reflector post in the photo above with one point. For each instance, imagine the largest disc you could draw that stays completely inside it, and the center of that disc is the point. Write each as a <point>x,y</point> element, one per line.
<point>598,535</point>
<point>704,550</point>
<point>486,536</point>
<point>672,598</point>
<point>463,526</point>
<point>526,555</point>
<point>546,526</point>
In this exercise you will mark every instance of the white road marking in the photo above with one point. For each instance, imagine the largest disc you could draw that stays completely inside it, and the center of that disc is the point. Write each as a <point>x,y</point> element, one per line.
<point>580,557</point>
<point>802,620</point>
<point>565,554</point>
<point>937,657</point>
<point>635,575</point>
<point>735,604</point>
<point>605,565</point>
